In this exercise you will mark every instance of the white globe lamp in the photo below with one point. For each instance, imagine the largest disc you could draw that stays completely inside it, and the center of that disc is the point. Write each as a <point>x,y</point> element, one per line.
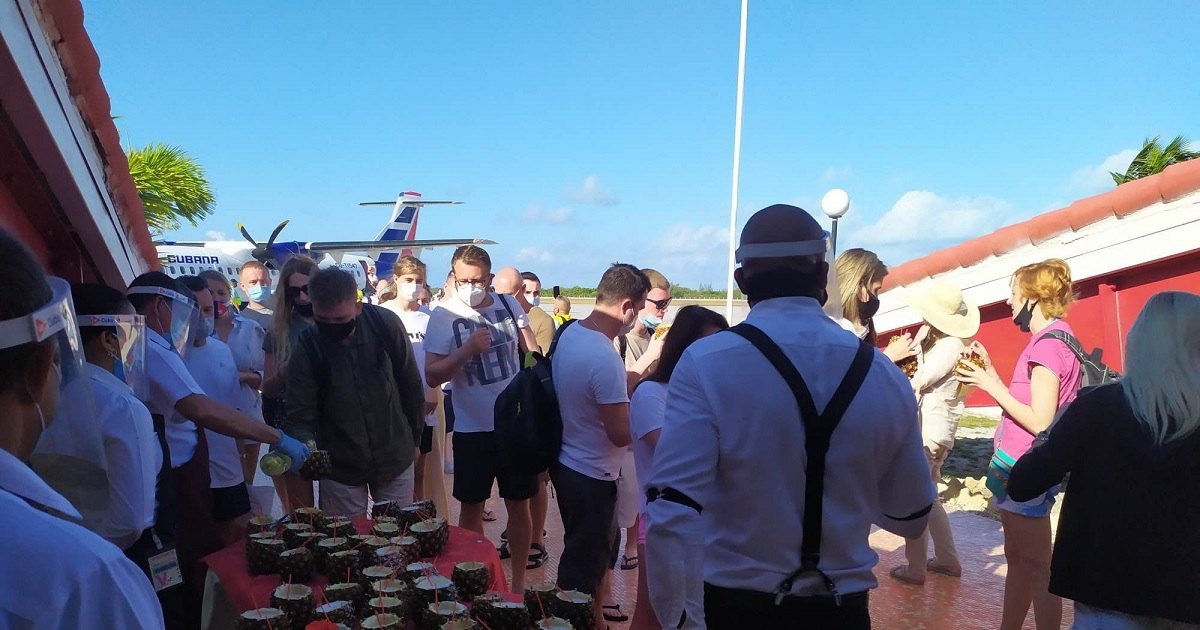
<point>835,203</point>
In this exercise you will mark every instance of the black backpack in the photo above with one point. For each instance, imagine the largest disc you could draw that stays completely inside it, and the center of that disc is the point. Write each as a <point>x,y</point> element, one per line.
<point>528,423</point>
<point>1094,371</point>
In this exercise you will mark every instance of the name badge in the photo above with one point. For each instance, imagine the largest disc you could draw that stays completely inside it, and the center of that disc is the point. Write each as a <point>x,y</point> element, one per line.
<point>164,570</point>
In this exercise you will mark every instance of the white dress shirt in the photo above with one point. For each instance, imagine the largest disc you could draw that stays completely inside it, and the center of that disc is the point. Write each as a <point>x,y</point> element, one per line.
<point>170,383</point>
<point>132,455</point>
<point>58,574</point>
<point>213,368</point>
<point>246,343</point>
<point>733,441</point>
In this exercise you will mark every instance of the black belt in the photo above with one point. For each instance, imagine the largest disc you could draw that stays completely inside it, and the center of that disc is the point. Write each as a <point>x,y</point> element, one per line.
<point>743,599</point>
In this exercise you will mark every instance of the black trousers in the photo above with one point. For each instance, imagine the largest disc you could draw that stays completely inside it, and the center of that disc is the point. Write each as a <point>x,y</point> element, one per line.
<point>736,609</point>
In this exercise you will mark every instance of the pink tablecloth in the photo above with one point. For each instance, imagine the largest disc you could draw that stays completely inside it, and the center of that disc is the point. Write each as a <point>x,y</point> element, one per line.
<point>244,590</point>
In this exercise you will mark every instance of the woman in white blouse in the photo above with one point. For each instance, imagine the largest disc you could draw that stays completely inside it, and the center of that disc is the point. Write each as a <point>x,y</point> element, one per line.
<point>647,408</point>
<point>950,322</point>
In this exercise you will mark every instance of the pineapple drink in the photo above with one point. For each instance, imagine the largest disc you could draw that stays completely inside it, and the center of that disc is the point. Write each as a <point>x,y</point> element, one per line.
<point>962,364</point>
<point>576,607</point>
<point>555,623</point>
<point>382,621</point>
<point>262,619</point>
<point>539,599</point>
<point>471,579</point>
<point>439,613</point>
<point>461,623</point>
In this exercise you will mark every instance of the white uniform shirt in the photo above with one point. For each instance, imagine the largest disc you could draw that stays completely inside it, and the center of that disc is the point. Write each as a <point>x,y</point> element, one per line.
<point>647,409</point>
<point>132,456</point>
<point>485,375</point>
<point>246,343</point>
<point>213,368</point>
<point>733,441</point>
<point>170,383</point>
<point>416,324</point>
<point>58,574</point>
<point>587,374</point>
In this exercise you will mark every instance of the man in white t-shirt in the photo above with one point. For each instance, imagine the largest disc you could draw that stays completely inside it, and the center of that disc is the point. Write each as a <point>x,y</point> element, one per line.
<point>476,340</point>
<point>409,279</point>
<point>590,381</point>
<point>211,363</point>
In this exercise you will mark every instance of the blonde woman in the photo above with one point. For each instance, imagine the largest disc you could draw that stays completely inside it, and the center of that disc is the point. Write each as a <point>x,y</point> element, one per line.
<point>292,314</point>
<point>950,322</point>
<point>1046,378</point>
<point>1126,552</point>
<point>860,276</point>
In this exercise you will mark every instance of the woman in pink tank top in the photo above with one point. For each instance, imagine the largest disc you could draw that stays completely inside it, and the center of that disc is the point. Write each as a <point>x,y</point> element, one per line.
<point>1046,377</point>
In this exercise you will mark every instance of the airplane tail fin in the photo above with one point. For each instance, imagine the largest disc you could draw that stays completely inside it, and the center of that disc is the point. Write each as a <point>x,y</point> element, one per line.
<point>402,226</point>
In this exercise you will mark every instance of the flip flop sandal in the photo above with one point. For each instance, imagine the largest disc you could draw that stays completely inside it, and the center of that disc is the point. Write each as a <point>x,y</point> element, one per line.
<point>900,574</point>
<point>628,563</point>
<point>617,616</point>
<point>489,516</point>
<point>941,570</point>
<point>536,560</point>
<point>504,552</point>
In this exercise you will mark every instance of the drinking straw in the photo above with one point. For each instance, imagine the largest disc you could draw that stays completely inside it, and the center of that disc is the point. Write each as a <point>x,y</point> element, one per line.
<point>254,600</point>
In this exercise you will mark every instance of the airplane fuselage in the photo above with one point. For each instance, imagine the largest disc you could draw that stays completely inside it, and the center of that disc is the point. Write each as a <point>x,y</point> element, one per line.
<point>227,258</point>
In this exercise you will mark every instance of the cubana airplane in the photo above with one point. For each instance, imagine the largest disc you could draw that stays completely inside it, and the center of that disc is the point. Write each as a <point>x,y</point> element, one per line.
<point>397,238</point>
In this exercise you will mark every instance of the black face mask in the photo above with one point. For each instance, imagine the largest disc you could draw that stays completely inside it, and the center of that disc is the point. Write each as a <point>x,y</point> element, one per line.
<point>776,283</point>
<point>1024,317</point>
<point>335,332</point>
<point>304,310</point>
<point>867,310</point>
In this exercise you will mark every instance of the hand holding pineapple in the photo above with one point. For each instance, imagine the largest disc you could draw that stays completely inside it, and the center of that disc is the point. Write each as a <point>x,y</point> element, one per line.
<point>975,368</point>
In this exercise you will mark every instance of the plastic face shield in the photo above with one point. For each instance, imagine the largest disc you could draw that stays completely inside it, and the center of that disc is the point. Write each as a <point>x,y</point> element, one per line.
<point>788,249</point>
<point>182,308</point>
<point>131,337</point>
<point>69,455</point>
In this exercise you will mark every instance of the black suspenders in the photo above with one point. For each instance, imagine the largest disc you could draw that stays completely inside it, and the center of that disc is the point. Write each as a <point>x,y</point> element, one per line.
<point>818,429</point>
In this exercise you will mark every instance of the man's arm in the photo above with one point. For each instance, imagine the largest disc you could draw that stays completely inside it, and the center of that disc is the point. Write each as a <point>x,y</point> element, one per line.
<point>906,492</point>
<point>441,368</point>
<point>218,417</point>
<point>615,418</point>
<point>303,407</point>
<point>685,464</point>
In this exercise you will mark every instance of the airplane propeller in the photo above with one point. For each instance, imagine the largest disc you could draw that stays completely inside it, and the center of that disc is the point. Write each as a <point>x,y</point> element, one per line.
<point>264,253</point>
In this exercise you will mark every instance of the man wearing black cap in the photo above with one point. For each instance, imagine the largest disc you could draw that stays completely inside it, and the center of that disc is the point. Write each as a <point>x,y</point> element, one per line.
<point>786,440</point>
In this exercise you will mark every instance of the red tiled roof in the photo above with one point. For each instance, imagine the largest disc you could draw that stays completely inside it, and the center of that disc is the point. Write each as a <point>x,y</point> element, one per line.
<point>1126,199</point>
<point>63,21</point>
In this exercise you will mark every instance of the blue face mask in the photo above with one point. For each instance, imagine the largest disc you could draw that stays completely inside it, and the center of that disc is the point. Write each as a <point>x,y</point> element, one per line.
<point>259,293</point>
<point>537,301</point>
<point>119,368</point>
<point>650,322</point>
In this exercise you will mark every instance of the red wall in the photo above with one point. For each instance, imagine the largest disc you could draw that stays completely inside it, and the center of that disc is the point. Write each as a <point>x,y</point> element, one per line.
<point>1101,317</point>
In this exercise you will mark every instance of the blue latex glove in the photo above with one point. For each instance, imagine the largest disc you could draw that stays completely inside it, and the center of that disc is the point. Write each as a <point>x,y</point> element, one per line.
<point>294,449</point>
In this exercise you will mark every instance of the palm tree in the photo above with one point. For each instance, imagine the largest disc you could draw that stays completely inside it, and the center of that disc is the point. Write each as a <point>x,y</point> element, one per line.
<point>171,185</point>
<point>1154,157</point>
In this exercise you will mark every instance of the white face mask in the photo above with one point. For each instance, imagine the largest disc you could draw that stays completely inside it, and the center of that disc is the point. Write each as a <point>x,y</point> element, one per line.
<point>408,291</point>
<point>470,294</point>
<point>627,328</point>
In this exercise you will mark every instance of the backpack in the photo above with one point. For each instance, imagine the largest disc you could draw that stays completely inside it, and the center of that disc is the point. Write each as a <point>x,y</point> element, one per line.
<point>528,423</point>
<point>1094,371</point>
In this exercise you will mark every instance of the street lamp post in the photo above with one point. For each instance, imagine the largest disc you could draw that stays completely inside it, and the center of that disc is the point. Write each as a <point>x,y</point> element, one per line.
<point>834,204</point>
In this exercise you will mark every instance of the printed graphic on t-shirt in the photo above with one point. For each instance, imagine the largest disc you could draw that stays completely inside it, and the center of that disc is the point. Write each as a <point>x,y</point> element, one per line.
<point>499,362</point>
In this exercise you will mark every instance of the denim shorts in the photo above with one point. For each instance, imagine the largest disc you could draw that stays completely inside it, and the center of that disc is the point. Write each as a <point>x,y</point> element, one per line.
<point>1038,507</point>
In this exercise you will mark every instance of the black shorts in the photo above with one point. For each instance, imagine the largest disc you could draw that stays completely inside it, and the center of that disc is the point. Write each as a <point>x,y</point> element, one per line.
<point>426,440</point>
<point>230,503</point>
<point>448,406</point>
<point>477,465</point>
<point>589,514</point>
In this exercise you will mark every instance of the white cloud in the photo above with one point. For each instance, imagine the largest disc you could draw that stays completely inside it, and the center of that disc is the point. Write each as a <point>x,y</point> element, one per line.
<point>836,172</point>
<point>590,193</point>
<point>684,243</point>
<point>533,254</point>
<point>214,235</point>
<point>535,214</point>
<point>1095,178</point>
<point>923,216</point>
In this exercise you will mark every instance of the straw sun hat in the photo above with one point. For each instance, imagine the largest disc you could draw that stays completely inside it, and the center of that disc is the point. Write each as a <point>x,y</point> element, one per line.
<point>942,305</point>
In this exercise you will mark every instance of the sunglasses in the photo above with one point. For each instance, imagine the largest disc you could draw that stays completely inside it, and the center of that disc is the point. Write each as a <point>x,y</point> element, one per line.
<point>660,304</point>
<point>294,292</point>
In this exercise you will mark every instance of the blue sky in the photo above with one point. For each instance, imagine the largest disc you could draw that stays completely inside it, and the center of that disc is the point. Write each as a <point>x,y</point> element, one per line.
<point>579,133</point>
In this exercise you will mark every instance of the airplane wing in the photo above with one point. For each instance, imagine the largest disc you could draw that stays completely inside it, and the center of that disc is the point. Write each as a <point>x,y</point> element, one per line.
<point>181,243</point>
<point>391,246</point>
<point>410,203</point>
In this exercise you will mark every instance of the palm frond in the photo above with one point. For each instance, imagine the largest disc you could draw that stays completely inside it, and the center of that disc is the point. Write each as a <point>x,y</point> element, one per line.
<point>1154,158</point>
<point>172,186</point>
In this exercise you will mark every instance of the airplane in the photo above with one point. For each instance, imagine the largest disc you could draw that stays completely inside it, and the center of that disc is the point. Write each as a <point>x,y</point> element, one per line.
<point>396,238</point>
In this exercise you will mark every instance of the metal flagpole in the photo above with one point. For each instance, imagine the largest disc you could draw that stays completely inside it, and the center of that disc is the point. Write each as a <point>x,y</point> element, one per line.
<point>737,159</point>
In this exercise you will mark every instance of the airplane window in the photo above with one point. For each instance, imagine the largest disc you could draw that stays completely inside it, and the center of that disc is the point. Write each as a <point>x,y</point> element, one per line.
<point>172,268</point>
<point>192,270</point>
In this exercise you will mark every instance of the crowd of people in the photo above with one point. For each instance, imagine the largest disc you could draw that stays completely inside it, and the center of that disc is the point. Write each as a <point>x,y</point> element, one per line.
<point>747,465</point>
